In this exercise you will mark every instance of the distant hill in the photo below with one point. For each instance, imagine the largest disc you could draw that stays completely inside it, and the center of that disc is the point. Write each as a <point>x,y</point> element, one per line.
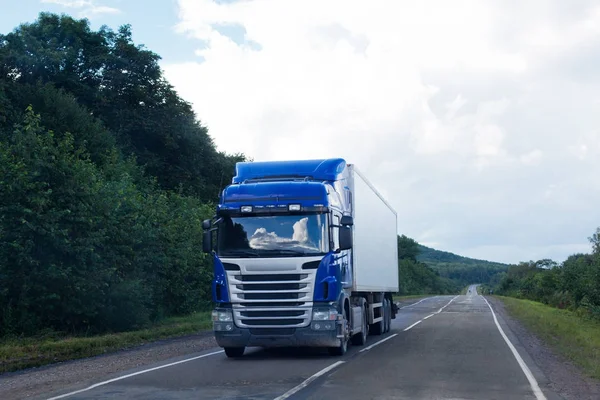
<point>433,256</point>
<point>462,270</point>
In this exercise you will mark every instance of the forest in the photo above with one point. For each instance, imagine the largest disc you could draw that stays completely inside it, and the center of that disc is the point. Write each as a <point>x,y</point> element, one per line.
<point>573,284</point>
<point>424,270</point>
<point>462,270</point>
<point>105,177</point>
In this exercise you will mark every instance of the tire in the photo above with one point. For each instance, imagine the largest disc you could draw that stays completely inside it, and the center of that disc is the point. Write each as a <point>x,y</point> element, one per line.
<point>234,352</point>
<point>361,338</point>
<point>389,315</point>
<point>386,314</point>
<point>343,347</point>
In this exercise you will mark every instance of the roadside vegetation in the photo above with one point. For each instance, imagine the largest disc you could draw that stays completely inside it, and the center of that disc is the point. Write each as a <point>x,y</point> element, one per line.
<point>417,277</point>
<point>572,335</point>
<point>105,177</point>
<point>573,285</point>
<point>463,271</point>
<point>424,270</point>
<point>22,353</point>
<point>559,302</point>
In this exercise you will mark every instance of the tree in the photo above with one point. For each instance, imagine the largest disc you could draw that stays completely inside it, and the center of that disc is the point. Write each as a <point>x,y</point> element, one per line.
<point>122,85</point>
<point>595,240</point>
<point>105,177</point>
<point>408,249</point>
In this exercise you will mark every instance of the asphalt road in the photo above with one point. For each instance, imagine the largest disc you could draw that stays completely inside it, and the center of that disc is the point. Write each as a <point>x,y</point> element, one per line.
<point>442,347</point>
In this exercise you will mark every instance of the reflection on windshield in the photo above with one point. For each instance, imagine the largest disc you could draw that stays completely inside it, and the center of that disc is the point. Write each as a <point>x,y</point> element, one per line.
<point>273,235</point>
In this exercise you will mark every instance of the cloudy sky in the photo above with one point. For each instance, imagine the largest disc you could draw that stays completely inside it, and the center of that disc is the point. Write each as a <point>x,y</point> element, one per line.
<point>474,118</point>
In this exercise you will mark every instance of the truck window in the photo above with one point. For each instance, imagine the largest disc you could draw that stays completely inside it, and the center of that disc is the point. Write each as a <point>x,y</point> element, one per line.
<point>281,235</point>
<point>334,233</point>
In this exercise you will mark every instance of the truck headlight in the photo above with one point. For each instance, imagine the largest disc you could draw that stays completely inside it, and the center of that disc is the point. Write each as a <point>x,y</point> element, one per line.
<point>222,316</point>
<point>324,314</point>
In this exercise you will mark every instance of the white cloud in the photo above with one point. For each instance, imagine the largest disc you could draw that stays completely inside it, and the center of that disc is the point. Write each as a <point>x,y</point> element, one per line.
<point>300,240</point>
<point>534,157</point>
<point>87,7</point>
<point>464,113</point>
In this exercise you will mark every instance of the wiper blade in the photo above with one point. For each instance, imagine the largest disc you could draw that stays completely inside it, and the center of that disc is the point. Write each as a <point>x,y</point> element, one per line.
<point>240,252</point>
<point>287,251</point>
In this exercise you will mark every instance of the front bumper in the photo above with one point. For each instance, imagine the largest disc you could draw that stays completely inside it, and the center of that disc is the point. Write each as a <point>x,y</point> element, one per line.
<point>277,337</point>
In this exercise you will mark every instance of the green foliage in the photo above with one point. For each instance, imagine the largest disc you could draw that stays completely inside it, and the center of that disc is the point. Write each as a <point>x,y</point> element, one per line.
<point>47,349</point>
<point>408,249</point>
<point>105,177</point>
<point>123,86</point>
<point>416,277</point>
<point>575,284</point>
<point>81,251</point>
<point>575,337</point>
<point>462,270</point>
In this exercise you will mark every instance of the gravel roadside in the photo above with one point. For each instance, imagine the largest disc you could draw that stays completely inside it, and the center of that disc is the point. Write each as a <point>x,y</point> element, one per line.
<point>33,382</point>
<point>566,379</point>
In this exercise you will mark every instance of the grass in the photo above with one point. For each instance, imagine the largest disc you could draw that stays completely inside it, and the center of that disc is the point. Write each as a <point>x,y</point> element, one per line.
<point>576,338</point>
<point>18,354</point>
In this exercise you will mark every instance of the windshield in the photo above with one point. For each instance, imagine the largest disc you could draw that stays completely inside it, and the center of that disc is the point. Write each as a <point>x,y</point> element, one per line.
<point>280,235</point>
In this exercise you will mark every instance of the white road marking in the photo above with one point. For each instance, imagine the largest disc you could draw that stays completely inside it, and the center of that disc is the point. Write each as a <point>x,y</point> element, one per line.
<point>442,309</point>
<point>308,381</point>
<point>429,316</point>
<point>539,395</point>
<point>95,385</point>
<point>378,343</point>
<point>414,304</point>
<point>413,325</point>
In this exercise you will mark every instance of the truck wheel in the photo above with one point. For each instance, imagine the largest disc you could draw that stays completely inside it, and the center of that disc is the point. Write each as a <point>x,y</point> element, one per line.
<point>388,317</point>
<point>386,313</point>
<point>234,352</point>
<point>361,338</point>
<point>343,347</point>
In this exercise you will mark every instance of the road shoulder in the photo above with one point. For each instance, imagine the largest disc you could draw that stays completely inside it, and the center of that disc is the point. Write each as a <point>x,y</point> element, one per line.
<point>35,381</point>
<point>561,376</point>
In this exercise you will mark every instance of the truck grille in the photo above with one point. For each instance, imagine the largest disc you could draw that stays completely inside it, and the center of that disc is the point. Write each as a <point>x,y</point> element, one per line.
<point>270,300</point>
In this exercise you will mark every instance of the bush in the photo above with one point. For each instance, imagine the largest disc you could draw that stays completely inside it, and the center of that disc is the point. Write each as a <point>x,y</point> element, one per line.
<point>575,284</point>
<point>84,251</point>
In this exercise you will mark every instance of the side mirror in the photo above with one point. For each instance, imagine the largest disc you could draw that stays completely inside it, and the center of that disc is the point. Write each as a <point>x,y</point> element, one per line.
<point>345,237</point>
<point>206,224</point>
<point>207,242</point>
<point>347,220</point>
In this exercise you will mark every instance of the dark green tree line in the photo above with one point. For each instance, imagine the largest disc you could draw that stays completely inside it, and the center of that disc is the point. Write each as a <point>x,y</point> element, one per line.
<point>105,177</point>
<point>574,284</point>
<point>417,277</point>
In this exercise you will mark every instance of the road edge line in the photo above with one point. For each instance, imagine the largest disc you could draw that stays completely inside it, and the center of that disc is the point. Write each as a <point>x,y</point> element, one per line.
<point>412,304</point>
<point>442,309</point>
<point>308,380</point>
<point>95,385</point>
<point>413,325</point>
<point>377,343</point>
<point>539,395</point>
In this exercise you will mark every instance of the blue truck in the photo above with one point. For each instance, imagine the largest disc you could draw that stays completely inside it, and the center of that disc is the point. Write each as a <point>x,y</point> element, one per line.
<point>305,254</point>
